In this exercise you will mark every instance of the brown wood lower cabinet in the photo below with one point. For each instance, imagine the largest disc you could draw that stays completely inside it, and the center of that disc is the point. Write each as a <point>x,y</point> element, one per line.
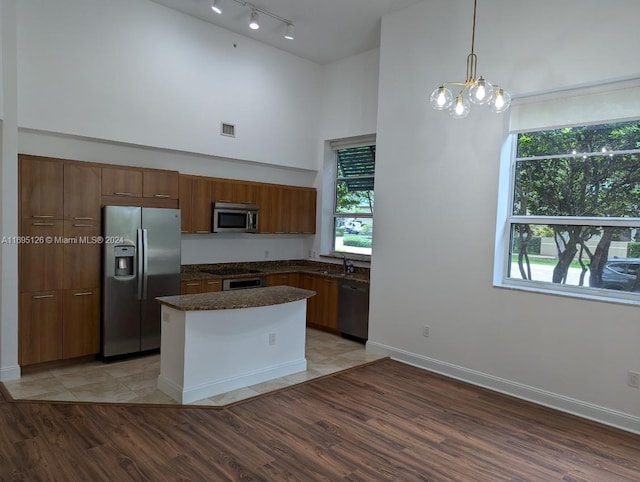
<point>81,322</point>
<point>322,309</point>
<point>190,287</point>
<point>211,286</point>
<point>287,279</point>
<point>58,324</point>
<point>40,328</point>
<point>200,286</point>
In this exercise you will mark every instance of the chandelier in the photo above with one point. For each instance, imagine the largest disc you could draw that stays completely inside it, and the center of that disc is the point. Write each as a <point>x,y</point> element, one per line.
<point>474,89</point>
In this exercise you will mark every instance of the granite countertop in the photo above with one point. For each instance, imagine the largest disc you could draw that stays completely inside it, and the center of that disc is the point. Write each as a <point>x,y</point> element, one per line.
<point>328,270</point>
<point>231,300</point>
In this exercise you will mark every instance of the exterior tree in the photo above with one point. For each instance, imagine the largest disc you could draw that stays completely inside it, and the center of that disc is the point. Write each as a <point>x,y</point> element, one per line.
<point>579,172</point>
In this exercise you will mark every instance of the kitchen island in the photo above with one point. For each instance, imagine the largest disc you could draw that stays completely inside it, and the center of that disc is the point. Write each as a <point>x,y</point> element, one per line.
<point>212,343</point>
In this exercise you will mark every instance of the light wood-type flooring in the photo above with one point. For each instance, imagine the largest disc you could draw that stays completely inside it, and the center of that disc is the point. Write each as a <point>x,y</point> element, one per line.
<point>135,380</point>
<point>380,421</point>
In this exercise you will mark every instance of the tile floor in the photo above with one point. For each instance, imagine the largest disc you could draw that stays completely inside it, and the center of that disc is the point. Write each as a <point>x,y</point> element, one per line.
<point>134,380</point>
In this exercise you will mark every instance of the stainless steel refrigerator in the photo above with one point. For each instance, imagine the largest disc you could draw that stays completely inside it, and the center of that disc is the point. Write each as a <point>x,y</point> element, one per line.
<point>141,261</point>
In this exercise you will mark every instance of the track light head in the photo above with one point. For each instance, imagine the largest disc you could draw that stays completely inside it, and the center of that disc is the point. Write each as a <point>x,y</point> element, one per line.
<point>253,21</point>
<point>215,6</point>
<point>288,34</point>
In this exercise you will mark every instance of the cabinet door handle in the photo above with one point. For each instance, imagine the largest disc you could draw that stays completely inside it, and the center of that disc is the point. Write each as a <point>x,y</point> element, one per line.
<point>203,232</point>
<point>82,218</point>
<point>213,282</point>
<point>39,297</point>
<point>42,224</point>
<point>162,195</point>
<point>193,284</point>
<point>42,216</point>
<point>123,194</point>
<point>83,225</point>
<point>85,293</point>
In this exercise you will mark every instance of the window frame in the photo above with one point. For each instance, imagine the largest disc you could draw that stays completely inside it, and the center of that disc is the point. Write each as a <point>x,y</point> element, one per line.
<point>506,220</point>
<point>337,145</point>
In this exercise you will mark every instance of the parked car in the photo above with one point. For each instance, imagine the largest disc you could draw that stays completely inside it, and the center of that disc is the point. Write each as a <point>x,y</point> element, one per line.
<point>621,274</point>
<point>354,227</point>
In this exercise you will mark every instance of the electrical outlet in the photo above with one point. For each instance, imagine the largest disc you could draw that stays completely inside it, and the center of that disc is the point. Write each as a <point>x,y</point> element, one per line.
<point>633,379</point>
<point>266,254</point>
<point>272,338</point>
<point>425,331</point>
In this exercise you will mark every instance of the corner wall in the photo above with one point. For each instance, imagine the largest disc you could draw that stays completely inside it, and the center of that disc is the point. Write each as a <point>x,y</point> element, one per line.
<point>436,188</point>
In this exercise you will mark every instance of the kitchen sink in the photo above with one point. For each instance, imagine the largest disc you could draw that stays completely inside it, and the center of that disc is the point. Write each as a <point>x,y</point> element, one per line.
<point>333,273</point>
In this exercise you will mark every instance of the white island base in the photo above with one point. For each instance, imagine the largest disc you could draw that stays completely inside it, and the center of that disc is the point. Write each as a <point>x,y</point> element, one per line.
<point>207,352</point>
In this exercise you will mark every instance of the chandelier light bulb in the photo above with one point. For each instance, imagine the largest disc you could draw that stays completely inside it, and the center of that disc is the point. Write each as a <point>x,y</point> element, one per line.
<point>460,109</point>
<point>501,101</point>
<point>441,98</point>
<point>253,22</point>
<point>481,92</point>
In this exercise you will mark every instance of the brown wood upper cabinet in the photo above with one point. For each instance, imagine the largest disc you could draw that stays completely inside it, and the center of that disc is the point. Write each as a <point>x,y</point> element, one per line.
<point>195,204</point>
<point>222,190</point>
<point>163,185</point>
<point>82,194</point>
<point>41,195</point>
<point>121,182</point>
<point>226,190</point>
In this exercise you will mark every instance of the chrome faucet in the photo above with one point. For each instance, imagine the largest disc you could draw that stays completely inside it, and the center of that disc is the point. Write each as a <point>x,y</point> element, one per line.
<point>347,266</point>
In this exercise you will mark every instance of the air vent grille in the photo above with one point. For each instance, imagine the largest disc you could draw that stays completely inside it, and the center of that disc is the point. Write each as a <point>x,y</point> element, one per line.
<point>228,130</point>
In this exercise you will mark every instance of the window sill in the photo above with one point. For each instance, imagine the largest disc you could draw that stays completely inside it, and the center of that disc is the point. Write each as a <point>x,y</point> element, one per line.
<point>622,298</point>
<point>350,256</point>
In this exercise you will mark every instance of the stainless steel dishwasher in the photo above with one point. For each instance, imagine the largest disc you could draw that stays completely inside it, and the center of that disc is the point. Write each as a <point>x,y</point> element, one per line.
<point>353,309</point>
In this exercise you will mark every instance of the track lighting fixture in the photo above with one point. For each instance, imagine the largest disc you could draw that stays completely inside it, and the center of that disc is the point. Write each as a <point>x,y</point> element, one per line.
<point>253,22</point>
<point>215,6</point>
<point>288,34</point>
<point>253,19</point>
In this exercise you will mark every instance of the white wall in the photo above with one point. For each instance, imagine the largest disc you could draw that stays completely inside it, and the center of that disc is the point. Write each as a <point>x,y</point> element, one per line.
<point>349,109</point>
<point>350,96</point>
<point>137,72</point>
<point>9,368</point>
<point>437,178</point>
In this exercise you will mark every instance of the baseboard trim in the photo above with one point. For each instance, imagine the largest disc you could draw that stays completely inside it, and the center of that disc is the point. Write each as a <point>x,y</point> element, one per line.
<point>556,401</point>
<point>195,393</point>
<point>10,373</point>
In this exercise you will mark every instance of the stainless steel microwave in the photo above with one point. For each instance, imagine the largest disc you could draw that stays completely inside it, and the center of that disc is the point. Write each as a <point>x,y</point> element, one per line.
<point>235,218</point>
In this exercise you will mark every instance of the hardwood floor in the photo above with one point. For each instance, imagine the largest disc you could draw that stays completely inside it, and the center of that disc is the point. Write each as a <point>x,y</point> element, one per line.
<point>383,421</point>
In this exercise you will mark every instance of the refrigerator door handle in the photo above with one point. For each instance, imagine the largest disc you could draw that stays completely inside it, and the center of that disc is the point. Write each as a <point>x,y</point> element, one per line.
<point>145,268</point>
<point>140,255</point>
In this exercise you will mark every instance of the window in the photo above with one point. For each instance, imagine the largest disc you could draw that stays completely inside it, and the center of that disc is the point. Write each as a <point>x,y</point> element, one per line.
<point>353,196</point>
<point>574,218</point>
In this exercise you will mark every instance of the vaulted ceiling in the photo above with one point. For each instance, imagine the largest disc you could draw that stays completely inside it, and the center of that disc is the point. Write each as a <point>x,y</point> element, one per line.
<point>325,30</point>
